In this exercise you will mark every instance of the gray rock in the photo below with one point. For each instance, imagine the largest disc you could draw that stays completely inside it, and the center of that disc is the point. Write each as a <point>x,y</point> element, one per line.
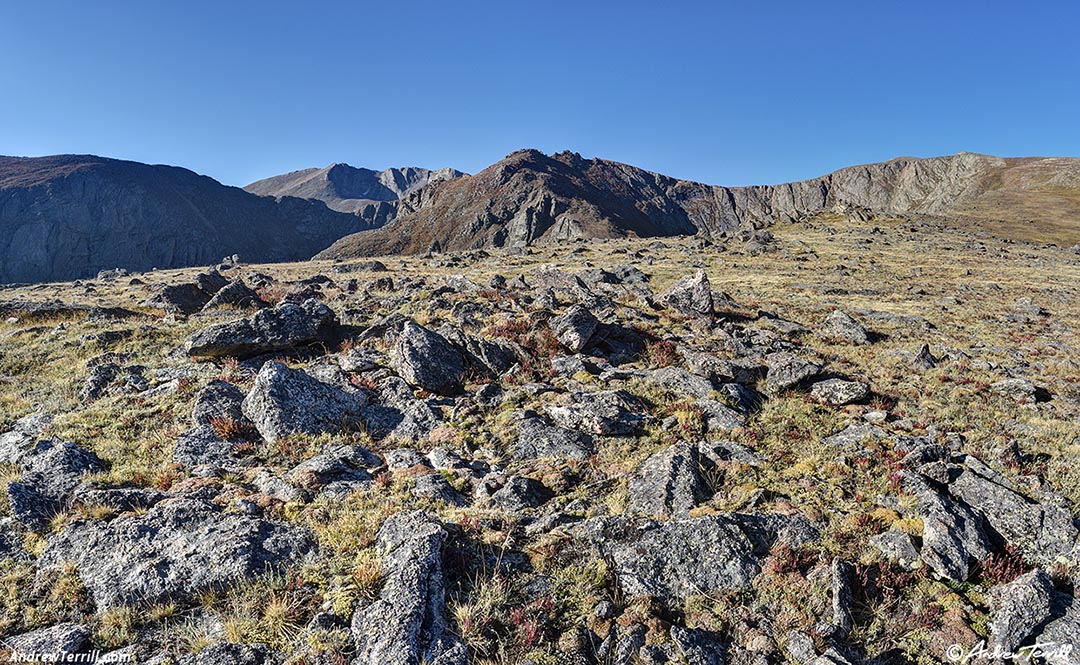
<point>407,624</point>
<point>179,299</point>
<point>605,413</point>
<point>841,574</point>
<point>539,439</point>
<point>235,294</point>
<point>50,474</point>
<point>897,546</point>
<point>175,550</point>
<point>403,458</point>
<point>838,392</point>
<point>202,445</point>
<point>64,638</point>
<point>287,401</point>
<point>787,370</point>
<point>952,536</point>
<point>425,359</point>
<point>287,326</point>
<point>23,435</point>
<point>399,415</point>
<point>677,559</point>
<point>1018,608</point>
<point>839,326</point>
<point>574,328</point>
<point>697,646</point>
<point>667,483</point>
<point>681,382</point>
<point>230,653</point>
<point>218,400</point>
<point>520,493</point>
<point>690,295</point>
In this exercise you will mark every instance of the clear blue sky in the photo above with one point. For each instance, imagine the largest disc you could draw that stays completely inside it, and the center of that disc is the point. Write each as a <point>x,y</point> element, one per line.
<point>722,92</point>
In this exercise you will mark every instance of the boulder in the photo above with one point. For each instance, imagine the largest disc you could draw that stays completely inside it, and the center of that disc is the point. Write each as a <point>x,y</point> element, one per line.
<point>64,638</point>
<point>787,370</point>
<point>218,400</point>
<point>838,392</point>
<point>425,359</point>
<point>605,413</point>
<point>50,473</point>
<point>407,624</point>
<point>691,295</point>
<point>684,557</point>
<point>1018,608</point>
<point>174,551</point>
<point>538,438</point>
<point>287,401</point>
<point>235,294</point>
<point>574,328</point>
<point>667,483</point>
<point>287,326</point>
<point>841,327</point>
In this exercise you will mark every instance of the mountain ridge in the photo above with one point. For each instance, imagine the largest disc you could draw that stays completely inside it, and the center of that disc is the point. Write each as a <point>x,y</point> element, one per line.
<point>529,198</point>
<point>69,216</point>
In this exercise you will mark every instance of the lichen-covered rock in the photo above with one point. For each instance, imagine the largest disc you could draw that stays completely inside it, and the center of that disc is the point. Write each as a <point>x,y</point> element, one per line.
<point>425,359</point>
<point>174,551</point>
<point>953,537</point>
<point>63,638</point>
<point>287,326</point>
<point>231,653</point>
<point>218,400</point>
<point>1018,608</point>
<point>287,401</point>
<point>838,392</point>
<point>538,438</point>
<point>787,370</point>
<point>681,382</point>
<point>604,413</point>
<point>686,557</point>
<point>667,483</point>
<point>840,326</point>
<point>407,624</point>
<point>574,328</point>
<point>691,295</point>
<point>202,445</point>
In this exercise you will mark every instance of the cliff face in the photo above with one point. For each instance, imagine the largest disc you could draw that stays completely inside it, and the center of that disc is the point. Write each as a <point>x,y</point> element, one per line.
<point>69,216</point>
<point>371,195</point>
<point>530,198</point>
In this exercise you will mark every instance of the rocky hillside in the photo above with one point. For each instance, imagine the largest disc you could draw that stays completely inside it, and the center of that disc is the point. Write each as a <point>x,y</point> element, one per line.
<point>531,198</point>
<point>372,195</point>
<point>70,216</point>
<point>847,441</point>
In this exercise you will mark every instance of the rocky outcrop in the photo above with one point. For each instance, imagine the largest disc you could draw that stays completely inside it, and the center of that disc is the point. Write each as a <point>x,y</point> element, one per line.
<point>287,401</point>
<point>408,623</point>
<point>425,359</point>
<point>282,328</point>
<point>173,551</point>
<point>71,216</point>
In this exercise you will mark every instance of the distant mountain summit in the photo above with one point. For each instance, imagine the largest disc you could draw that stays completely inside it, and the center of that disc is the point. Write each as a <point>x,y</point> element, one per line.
<point>532,198</point>
<point>372,195</point>
<point>69,216</point>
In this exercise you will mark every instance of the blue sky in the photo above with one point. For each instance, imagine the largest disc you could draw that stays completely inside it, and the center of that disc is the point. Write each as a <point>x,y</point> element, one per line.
<point>721,92</point>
